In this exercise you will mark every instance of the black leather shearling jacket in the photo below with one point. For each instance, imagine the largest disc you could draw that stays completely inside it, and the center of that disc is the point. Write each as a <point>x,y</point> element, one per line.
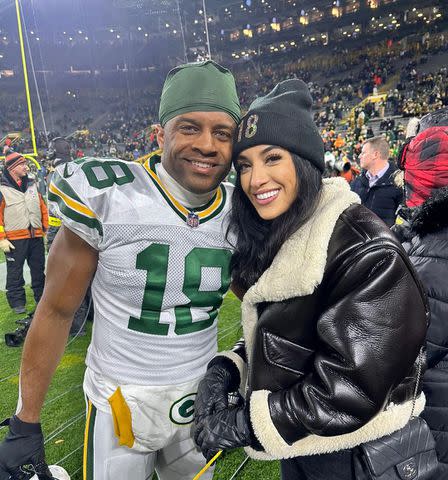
<point>332,331</point>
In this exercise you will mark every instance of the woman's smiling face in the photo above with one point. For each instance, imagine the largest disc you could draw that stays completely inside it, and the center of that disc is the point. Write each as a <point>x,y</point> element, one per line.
<point>269,179</point>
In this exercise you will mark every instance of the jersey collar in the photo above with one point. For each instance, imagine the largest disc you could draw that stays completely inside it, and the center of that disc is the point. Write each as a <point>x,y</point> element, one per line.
<point>205,213</point>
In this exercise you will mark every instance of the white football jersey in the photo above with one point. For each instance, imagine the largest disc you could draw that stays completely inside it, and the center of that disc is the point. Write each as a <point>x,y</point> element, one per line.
<point>162,270</point>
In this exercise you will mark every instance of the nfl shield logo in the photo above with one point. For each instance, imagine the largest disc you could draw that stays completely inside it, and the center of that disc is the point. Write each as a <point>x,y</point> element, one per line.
<point>192,220</point>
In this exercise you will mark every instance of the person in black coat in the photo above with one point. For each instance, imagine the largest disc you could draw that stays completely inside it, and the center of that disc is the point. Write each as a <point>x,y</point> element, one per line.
<point>425,238</point>
<point>428,251</point>
<point>375,186</point>
<point>59,152</point>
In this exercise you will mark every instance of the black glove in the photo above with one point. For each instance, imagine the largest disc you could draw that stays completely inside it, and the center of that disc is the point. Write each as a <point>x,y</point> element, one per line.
<point>222,377</point>
<point>229,428</point>
<point>23,446</point>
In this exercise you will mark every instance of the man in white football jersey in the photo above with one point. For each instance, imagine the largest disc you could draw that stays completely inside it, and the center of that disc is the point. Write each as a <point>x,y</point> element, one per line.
<point>153,238</point>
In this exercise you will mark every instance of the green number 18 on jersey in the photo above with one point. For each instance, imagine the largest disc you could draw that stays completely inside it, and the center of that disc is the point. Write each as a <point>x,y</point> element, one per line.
<point>154,260</point>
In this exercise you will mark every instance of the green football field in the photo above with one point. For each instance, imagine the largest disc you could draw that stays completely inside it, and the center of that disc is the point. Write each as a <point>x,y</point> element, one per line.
<point>64,411</point>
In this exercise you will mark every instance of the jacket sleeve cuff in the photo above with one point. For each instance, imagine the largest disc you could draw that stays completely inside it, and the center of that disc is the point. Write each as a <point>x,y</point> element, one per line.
<point>264,424</point>
<point>238,362</point>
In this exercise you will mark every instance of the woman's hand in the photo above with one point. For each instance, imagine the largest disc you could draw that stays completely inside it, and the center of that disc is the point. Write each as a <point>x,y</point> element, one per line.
<point>222,377</point>
<point>229,428</point>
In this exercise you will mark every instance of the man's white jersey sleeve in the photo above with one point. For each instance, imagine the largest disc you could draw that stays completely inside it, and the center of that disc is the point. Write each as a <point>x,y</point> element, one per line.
<point>71,195</point>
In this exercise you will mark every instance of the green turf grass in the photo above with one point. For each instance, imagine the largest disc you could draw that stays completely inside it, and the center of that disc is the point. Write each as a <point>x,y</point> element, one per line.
<point>63,414</point>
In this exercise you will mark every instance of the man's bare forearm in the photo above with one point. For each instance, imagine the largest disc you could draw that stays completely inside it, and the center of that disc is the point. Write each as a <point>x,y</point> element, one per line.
<point>70,268</point>
<point>42,352</point>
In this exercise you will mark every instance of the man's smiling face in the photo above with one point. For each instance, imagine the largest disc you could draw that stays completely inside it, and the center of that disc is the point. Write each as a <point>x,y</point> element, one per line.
<point>197,149</point>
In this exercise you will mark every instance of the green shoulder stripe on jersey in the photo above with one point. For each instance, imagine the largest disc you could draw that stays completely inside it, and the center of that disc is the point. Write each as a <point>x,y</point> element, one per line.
<point>65,187</point>
<point>73,210</point>
<point>205,213</point>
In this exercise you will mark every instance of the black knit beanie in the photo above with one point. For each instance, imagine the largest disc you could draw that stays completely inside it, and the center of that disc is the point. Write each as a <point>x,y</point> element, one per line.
<point>283,118</point>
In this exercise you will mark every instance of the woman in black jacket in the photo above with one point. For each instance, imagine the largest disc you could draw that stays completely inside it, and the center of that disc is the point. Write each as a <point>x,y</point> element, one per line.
<point>333,316</point>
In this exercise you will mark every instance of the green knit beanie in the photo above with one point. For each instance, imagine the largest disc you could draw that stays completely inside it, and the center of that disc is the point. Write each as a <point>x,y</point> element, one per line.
<point>199,87</point>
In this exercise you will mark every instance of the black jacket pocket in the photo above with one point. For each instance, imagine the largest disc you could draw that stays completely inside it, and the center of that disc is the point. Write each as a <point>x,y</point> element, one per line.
<point>283,353</point>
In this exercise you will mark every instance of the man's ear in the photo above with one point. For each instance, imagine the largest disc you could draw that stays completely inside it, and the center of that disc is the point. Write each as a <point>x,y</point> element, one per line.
<point>160,135</point>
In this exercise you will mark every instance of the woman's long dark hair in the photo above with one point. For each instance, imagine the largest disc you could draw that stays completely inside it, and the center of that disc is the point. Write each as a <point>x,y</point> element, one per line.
<point>258,241</point>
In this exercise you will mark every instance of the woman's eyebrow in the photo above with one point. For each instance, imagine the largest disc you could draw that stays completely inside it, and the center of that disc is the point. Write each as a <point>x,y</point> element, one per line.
<point>242,158</point>
<point>269,148</point>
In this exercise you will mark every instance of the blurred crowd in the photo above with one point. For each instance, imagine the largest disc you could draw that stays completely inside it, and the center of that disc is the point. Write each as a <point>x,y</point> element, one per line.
<point>366,92</point>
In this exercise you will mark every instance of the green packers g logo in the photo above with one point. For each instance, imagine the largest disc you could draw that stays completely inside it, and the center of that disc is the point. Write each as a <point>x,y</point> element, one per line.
<point>182,411</point>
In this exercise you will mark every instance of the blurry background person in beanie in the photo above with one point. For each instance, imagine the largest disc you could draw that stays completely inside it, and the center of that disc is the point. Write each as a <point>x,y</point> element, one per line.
<point>425,238</point>
<point>59,152</point>
<point>328,357</point>
<point>23,223</point>
<point>375,185</point>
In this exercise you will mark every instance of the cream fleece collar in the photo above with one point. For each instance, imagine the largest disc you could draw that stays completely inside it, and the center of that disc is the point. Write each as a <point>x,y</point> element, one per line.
<point>299,266</point>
